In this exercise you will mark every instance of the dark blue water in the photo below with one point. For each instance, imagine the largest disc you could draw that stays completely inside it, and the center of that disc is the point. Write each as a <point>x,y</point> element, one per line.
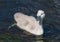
<point>51,21</point>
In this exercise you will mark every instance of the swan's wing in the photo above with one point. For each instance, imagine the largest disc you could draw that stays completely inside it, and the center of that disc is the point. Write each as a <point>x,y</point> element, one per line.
<point>24,19</point>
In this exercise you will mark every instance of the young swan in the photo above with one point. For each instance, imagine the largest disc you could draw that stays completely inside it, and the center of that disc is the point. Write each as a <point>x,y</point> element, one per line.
<point>29,23</point>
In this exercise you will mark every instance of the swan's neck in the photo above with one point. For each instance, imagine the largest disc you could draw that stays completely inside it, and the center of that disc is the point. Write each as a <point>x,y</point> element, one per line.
<point>40,20</point>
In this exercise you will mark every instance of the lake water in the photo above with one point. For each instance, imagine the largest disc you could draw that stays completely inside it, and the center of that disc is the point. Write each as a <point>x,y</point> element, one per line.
<point>51,21</point>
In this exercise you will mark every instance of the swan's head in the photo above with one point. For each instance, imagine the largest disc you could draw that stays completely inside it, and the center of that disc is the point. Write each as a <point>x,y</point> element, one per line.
<point>41,14</point>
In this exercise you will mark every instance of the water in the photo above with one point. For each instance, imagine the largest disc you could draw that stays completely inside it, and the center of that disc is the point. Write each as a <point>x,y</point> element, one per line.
<point>51,21</point>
